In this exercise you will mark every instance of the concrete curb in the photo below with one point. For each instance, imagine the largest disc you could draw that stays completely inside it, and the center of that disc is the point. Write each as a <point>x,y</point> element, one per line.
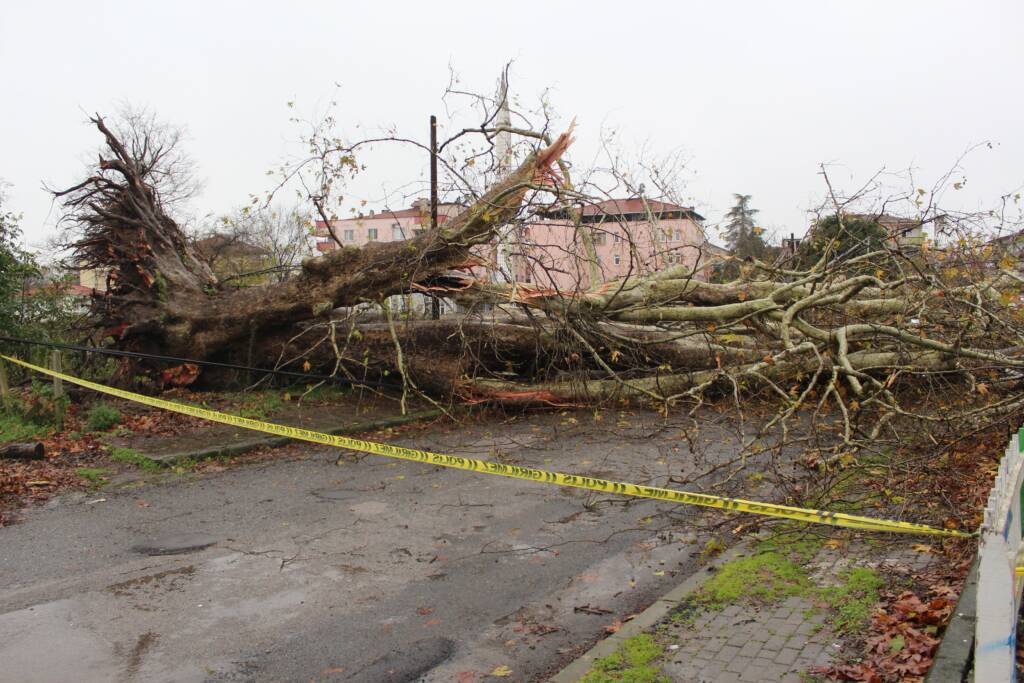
<point>237,448</point>
<point>649,617</point>
<point>954,659</point>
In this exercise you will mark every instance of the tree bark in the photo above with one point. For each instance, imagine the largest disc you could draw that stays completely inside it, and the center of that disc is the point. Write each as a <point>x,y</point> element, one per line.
<point>23,451</point>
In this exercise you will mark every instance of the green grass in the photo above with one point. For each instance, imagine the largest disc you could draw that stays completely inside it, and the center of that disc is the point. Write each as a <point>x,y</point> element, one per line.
<point>323,393</point>
<point>766,577</point>
<point>133,457</point>
<point>776,571</point>
<point>16,428</point>
<point>96,476</point>
<point>256,405</point>
<point>852,602</point>
<point>103,417</point>
<point>633,662</point>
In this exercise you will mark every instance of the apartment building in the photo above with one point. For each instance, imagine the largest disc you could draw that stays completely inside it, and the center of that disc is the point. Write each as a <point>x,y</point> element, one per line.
<point>631,237</point>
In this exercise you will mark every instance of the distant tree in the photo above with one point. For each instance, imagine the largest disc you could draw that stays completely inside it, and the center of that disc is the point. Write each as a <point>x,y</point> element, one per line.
<point>255,246</point>
<point>842,237</point>
<point>743,237</point>
<point>32,305</point>
<point>16,267</point>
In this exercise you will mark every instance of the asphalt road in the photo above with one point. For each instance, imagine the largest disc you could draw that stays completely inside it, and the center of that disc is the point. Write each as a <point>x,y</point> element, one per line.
<point>377,570</point>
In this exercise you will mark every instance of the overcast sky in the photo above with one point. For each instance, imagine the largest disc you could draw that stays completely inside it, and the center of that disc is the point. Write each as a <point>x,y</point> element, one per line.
<point>756,94</point>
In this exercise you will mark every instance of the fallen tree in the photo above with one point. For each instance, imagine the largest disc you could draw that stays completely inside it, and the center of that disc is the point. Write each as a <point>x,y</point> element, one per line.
<point>845,331</point>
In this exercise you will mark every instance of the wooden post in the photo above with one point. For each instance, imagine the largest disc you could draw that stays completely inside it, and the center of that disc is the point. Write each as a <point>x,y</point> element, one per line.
<point>58,383</point>
<point>58,391</point>
<point>5,388</point>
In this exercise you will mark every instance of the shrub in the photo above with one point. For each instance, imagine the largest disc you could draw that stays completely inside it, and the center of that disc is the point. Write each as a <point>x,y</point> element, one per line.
<point>102,417</point>
<point>41,407</point>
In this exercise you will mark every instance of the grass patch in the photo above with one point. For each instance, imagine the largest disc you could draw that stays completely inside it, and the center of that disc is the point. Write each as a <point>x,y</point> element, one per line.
<point>103,417</point>
<point>323,393</point>
<point>16,428</point>
<point>853,600</point>
<point>133,457</point>
<point>97,476</point>
<point>777,571</point>
<point>631,663</point>
<point>766,577</point>
<point>257,406</point>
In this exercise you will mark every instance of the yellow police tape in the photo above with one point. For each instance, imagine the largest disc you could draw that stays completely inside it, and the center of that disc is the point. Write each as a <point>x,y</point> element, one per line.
<point>482,466</point>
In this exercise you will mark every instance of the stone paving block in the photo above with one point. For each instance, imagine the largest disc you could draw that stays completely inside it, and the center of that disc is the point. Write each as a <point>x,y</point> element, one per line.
<point>759,634</point>
<point>750,648</point>
<point>732,611</point>
<point>805,628</point>
<point>738,664</point>
<point>711,672</point>
<point>727,653</point>
<point>692,646</point>
<point>797,617</point>
<point>775,643</point>
<point>728,677</point>
<point>738,638</point>
<point>714,644</point>
<point>759,668</point>
<point>792,602</point>
<point>811,650</point>
<point>787,656</point>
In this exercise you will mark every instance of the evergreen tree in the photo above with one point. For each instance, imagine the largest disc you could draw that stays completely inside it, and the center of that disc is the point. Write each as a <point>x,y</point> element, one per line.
<point>742,236</point>
<point>843,239</point>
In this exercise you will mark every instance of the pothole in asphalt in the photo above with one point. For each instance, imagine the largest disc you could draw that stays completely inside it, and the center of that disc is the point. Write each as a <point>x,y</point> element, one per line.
<point>406,663</point>
<point>175,544</point>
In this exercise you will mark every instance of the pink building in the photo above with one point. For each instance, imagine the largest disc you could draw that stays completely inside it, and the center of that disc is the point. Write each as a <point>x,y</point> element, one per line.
<point>631,237</point>
<point>386,226</point>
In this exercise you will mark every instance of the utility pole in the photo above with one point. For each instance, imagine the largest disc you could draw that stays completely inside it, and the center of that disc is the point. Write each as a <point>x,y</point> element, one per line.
<point>435,303</point>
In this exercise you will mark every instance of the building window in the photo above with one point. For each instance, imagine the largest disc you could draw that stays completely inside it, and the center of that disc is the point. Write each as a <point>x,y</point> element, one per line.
<point>349,235</point>
<point>418,231</point>
<point>396,232</point>
<point>371,234</point>
<point>617,259</point>
<point>600,238</point>
<point>616,238</point>
<point>666,233</point>
<point>679,235</point>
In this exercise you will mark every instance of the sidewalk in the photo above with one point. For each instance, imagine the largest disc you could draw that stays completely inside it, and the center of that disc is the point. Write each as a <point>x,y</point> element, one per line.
<point>762,616</point>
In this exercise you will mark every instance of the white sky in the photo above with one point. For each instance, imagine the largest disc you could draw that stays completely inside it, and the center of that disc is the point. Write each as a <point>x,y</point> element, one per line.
<point>757,94</point>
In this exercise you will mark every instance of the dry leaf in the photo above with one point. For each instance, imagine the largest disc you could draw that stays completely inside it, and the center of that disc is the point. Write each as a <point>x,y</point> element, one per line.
<point>502,671</point>
<point>613,627</point>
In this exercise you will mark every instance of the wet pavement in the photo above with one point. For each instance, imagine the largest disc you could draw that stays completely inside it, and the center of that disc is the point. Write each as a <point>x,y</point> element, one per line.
<point>375,570</point>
